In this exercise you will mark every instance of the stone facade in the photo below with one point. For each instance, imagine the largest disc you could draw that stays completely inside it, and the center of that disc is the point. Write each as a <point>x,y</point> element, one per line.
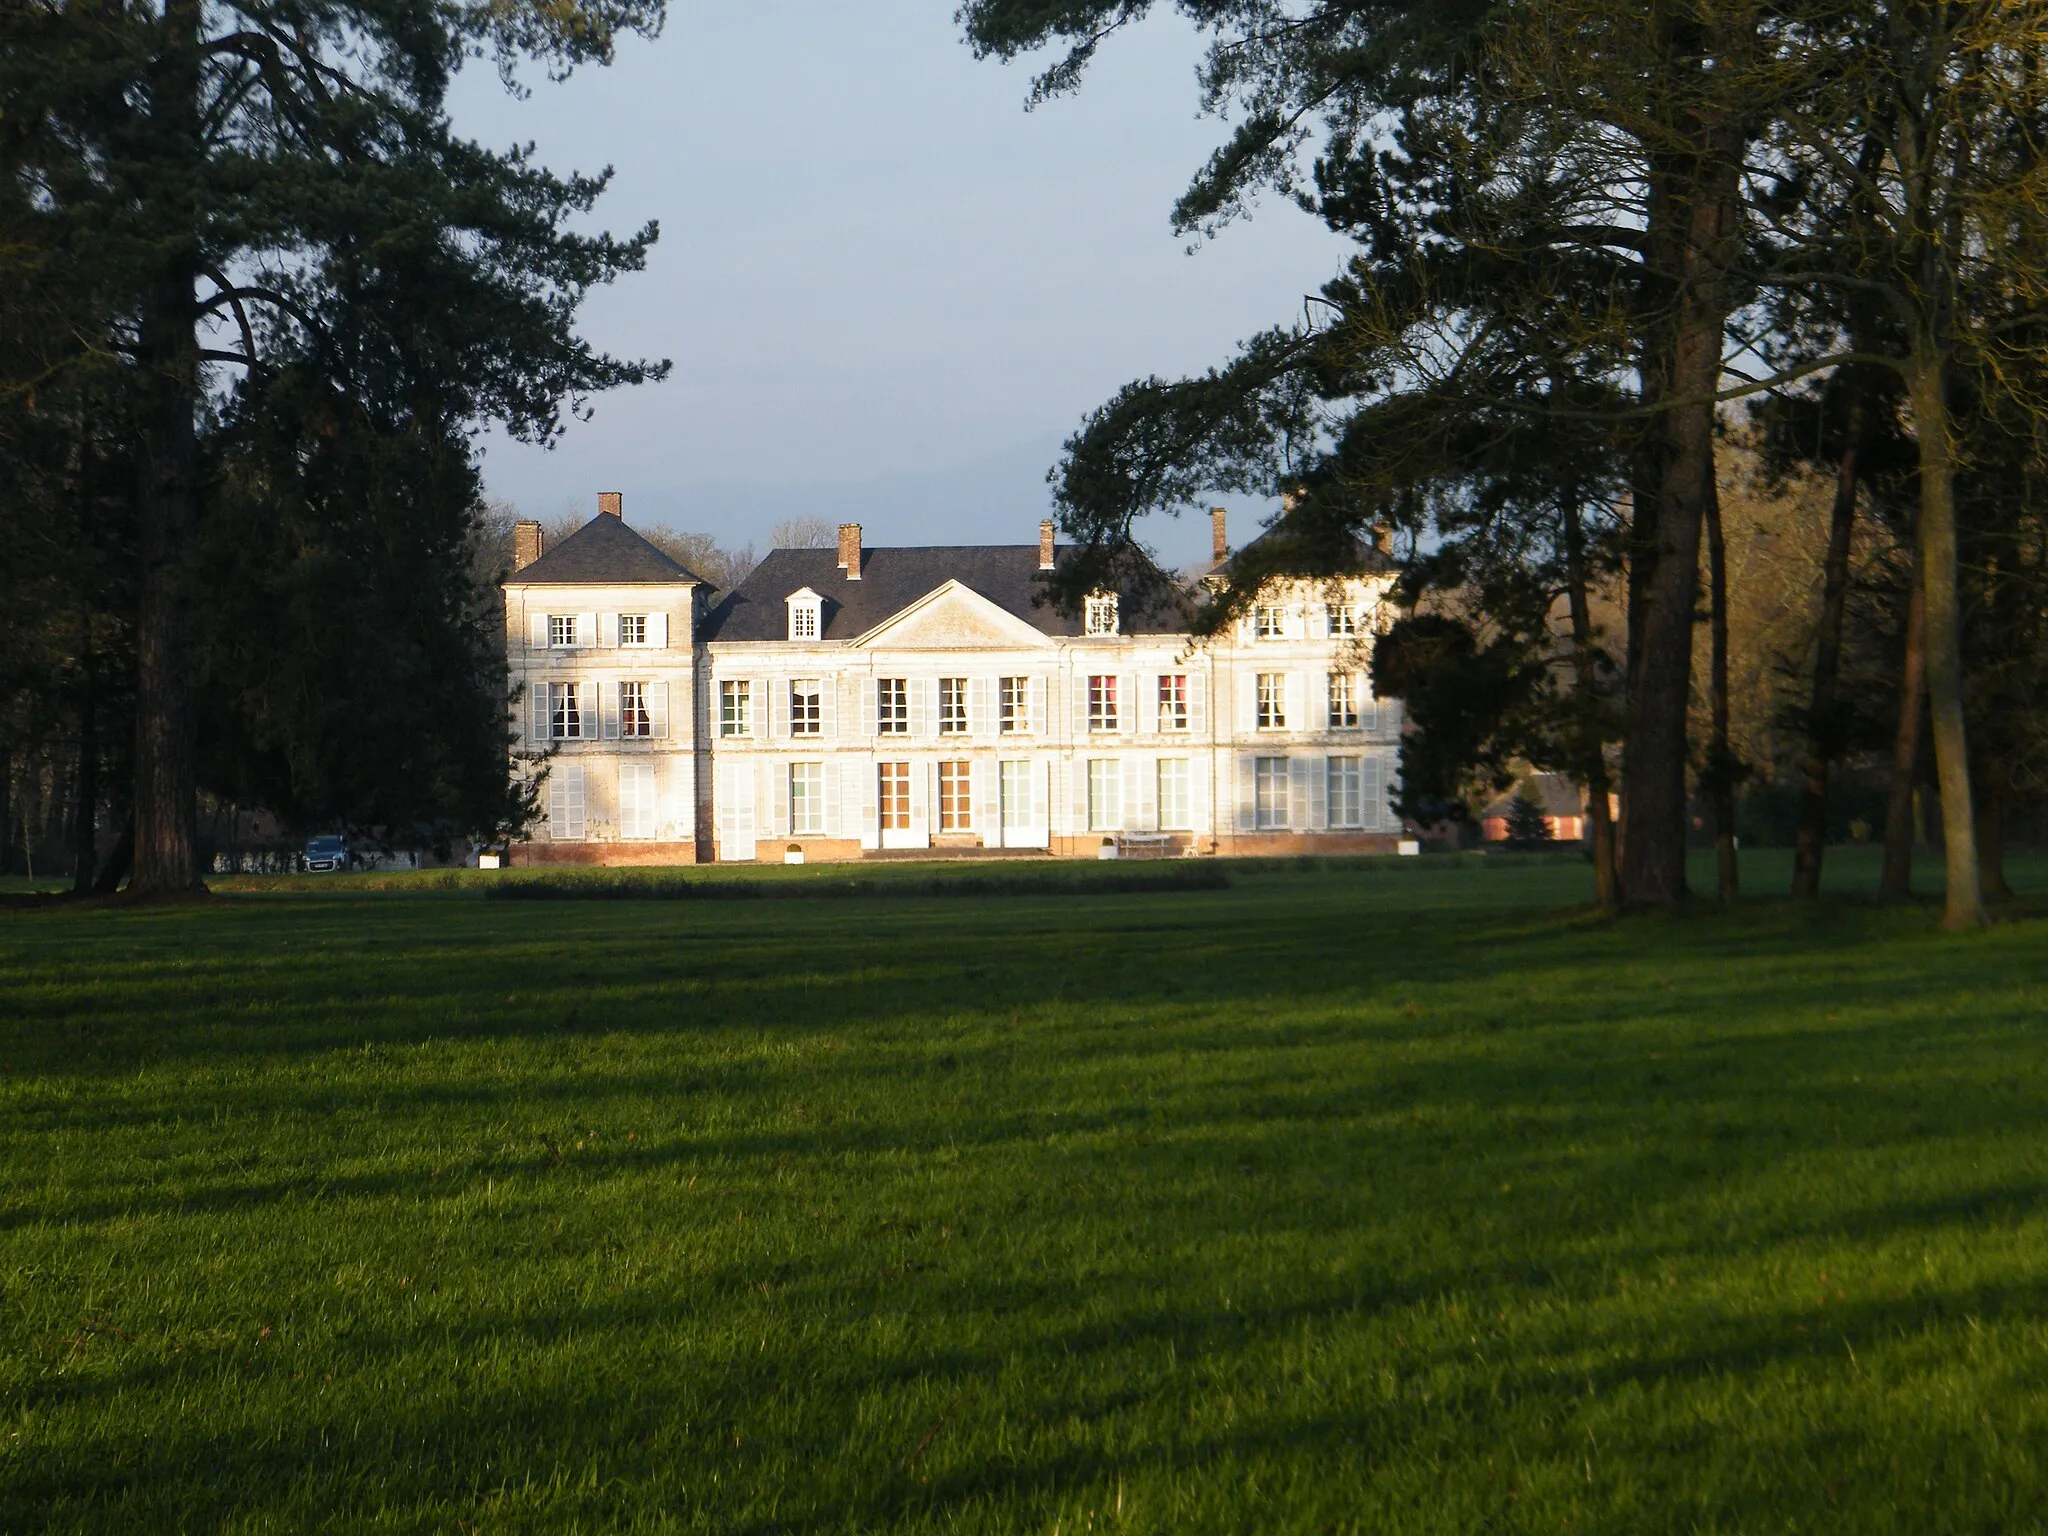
<point>858,703</point>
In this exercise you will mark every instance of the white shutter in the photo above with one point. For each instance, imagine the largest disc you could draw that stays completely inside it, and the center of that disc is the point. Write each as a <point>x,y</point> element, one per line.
<point>921,799</point>
<point>781,827</point>
<point>565,803</point>
<point>922,723</point>
<point>866,791</point>
<point>1198,704</point>
<point>1297,702</point>
<point>606,696</point>
<point>1319,621</point>
<point>657,710</point>
<point>1198,795</point>
<point>1127,701</point>
<point>1297,792</point>
<point>608,629</point>
<point>587,711</point>
<point>1141,794</point>
<point>1371,791</point>
<point>1318,718</point>
<point>537,697</point>
<point>778,706</point>
<point>978,718</point>
<point>1077,814</point>
<point>1041,798</point>
<point>657,630</point>
<point>830,778</point>
<point>539,632</point>
<point>1247,703</point>
<point>586,630</point>
<point>828,707</point>
<point>1368,706</point>
<point>1318,794</point>
<point>1039,721</point>
<point>988,800</point>
<point>1148,703</point>
<point>866,687</point>
<point>1080,684</point>
<point>1247,794</point>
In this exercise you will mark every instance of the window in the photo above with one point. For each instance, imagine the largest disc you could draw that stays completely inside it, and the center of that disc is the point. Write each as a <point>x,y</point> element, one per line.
<point>633,717</point>
<point>1016,795</point>
<point>807,799</point>
<point>1343,619</point>
<point>955,808</point>
<point>952,706</point>
<point>1272,701</point>
<point>895,796</point>
<point>1100,614</point>
<point>806,717</point>
<point>1269,621</point>
<point>561,629</point>
<point>1347,792</point>
<point>1269,785</point>
<point>1015,712</point>
<point>1105,794</point>
<point>1176,802</point>
<point>1102,711</point>
<point>1343,701</point>
<point>804,617</point>
<point>636,801</point>
<point>565,717</point>
<point>1173,702</point>
<point>892,706</point>
<point>736,708</point>
<point>565,802</point>
<point>632,629</point>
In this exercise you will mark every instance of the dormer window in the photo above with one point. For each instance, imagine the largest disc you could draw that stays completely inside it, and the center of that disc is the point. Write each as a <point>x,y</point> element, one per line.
<point>806,615</point>
<point>1099,616</point>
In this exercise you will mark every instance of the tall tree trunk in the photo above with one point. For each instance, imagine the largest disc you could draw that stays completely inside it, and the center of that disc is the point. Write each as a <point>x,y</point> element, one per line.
<point>1720,755</point>
<point>166,800</point>
<point>1823,733</point>
<point>1592,743</point>
<point>1692,217</point>
<point>1964,904</point>
<point>1896,883</point>
<point>85,825</point>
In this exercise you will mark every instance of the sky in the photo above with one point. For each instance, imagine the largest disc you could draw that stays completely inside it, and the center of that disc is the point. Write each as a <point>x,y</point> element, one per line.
<point>888,291</point>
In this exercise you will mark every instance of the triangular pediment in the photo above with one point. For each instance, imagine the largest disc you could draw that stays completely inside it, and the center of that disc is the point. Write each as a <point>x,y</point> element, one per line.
<point>951,618</point>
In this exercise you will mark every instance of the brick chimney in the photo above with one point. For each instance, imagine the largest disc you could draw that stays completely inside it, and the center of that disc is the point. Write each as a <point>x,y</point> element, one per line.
<point>849,550</point>
<point>528,544</point>
<point>1219,540</point>
<point>611,504</point>
<point>1045,533</point>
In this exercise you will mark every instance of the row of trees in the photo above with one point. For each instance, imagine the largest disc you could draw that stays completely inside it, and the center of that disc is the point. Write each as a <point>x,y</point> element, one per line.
<point>1583,229</point>
<point>256,300</point>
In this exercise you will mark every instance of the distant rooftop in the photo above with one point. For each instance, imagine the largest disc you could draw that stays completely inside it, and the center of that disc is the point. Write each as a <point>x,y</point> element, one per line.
<point>603,552</point>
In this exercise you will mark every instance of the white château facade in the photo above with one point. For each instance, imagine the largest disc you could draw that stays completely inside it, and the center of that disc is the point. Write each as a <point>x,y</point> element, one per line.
<point>854,701</point>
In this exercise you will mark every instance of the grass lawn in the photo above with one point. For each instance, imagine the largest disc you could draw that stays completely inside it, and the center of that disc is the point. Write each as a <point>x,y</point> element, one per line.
<point>1390,1196</point>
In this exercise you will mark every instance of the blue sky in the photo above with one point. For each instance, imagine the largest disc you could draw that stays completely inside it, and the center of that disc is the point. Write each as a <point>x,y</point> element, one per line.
<point>888,291</point>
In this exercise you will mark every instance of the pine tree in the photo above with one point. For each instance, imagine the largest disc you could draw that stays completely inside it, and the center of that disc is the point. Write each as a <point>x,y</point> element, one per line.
<point>1527,826</point>
<point>262,208</point>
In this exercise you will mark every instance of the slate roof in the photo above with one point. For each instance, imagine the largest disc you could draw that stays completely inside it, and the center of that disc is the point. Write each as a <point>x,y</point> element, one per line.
<point>1353,556</point>
<point>604,552</point>
<point>891,579</point>
<point>1557,793</point>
